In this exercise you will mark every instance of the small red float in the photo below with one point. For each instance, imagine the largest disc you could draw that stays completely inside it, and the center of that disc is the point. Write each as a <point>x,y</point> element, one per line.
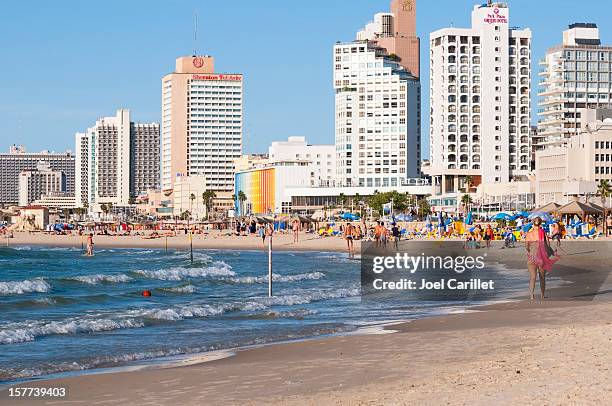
<point>146,293</point>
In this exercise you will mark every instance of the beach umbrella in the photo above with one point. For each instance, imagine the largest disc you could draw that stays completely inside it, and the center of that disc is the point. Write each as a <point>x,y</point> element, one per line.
<point>502,216</point>
<point>520,214</point>
<point>541,214</point>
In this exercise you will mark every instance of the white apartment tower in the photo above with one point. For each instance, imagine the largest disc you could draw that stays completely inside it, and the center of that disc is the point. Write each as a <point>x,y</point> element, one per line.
<point>378,126</point>
<point>575,75</point>
<point>116,160</point>
<point>480,101</point>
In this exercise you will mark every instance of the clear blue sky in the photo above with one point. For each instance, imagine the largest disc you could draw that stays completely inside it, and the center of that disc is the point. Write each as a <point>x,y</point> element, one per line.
<point>66,63</point>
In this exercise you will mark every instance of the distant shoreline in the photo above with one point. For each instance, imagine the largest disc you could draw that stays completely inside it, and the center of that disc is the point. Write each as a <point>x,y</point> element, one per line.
<point>213,241</point>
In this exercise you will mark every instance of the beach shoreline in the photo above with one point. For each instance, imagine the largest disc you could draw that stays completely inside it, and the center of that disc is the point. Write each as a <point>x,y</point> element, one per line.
<point>488,354</point>
<point>431,360</point>
<point>212,241</point>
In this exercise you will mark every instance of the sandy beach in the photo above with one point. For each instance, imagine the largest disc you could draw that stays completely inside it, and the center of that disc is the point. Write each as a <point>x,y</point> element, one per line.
<point>520,353</point>
<point>214,240</point>
<point>556,352</point>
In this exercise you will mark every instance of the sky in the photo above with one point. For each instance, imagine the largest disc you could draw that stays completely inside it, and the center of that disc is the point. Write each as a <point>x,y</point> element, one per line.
<point>66,63</point>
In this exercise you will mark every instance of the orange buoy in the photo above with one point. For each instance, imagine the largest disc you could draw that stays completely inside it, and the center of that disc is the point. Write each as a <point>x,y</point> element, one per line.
<point>146,293</point>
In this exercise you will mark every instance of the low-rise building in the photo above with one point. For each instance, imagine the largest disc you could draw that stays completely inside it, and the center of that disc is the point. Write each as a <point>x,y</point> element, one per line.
<point>322,158</point>
<point>265,187</point>
<point>575,169</point>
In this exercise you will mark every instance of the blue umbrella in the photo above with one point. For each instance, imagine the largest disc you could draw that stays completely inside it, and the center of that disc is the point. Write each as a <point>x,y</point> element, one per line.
<point>520,214</point>
<point>502,216</point>
<point>541,214</point>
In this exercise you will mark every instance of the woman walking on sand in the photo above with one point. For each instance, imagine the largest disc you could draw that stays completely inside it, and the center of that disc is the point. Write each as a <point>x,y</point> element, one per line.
<point>540,257</point>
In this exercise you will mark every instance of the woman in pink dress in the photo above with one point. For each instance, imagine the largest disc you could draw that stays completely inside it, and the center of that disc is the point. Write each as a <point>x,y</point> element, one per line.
<point>540,257</point>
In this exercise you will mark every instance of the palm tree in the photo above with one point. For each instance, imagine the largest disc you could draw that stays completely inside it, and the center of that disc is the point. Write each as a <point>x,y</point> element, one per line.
<point>604,190</point>
<point>342,200</point>
<point>242,198</point>
<point>192,197</point>
<point>466,201</point>
<point>469,181</point>
<point>207,199</point>
<point>104,207</point>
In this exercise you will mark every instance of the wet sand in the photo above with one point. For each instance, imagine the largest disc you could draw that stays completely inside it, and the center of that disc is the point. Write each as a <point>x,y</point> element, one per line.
<point>556,352</point>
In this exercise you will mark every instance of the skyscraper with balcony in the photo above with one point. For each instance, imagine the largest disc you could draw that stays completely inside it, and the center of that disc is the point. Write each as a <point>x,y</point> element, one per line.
<point>480,102</point>
<point>575,75</point>
<point>116,159</point>
<point>378,93</point>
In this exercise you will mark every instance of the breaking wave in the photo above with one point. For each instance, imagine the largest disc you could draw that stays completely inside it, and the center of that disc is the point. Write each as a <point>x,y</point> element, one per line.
<point>38,285</point>
<point>13,333</point>
<point>277,278</point>
<point>99,278</point>
<point>178,274</point>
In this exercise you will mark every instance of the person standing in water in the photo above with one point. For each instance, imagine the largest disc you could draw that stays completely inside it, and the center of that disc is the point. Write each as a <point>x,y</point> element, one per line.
<point>349,236</point>
<point>90,245</point>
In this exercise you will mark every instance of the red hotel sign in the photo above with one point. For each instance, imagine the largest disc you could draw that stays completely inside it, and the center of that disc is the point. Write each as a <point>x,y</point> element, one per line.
<point>207,76</point>
<point>496,18</point>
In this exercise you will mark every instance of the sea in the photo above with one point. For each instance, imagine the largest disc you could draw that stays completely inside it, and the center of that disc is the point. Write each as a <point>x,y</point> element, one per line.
<point>62,313</point>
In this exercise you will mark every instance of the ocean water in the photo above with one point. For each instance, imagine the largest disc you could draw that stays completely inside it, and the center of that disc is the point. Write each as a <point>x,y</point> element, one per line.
<point>61,311</point>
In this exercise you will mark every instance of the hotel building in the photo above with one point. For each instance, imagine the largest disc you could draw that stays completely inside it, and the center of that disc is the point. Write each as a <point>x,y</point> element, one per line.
<point>202,124</point>
<point>12,164</point>
<point>480,103</point>
<point>574,75</point>
<point>34,183</point>
<point>116,160</point>
<point>377,121</point>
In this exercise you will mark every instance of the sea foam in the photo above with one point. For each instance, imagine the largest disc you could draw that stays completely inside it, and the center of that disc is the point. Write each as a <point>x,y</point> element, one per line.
<point>99,278</point>
<point>38,285</point>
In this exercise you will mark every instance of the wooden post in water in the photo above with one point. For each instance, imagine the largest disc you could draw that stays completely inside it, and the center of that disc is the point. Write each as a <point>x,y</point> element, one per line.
<point>270,265</point>
<point>191,247</point>
<point>166,243</point>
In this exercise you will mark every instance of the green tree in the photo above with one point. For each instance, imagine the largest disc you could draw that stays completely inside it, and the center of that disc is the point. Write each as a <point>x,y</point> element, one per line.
<point>242,197</point>
<point>342,200</point>
<point>423,207</point>
<point>185,215</point>
<point>208,199</point>
<point>469,181</point>
<point>192,197</point>
<point>604,190</point>
<point>377,200</point>
<point>466,201</point>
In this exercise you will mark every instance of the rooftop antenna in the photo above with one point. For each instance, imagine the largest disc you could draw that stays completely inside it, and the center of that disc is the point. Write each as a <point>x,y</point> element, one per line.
<point>195,32</point>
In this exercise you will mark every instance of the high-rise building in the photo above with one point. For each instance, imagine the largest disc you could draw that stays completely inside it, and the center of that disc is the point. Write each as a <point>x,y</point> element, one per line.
<point>34,183</point>
<point>116,160</point>
<point>378,124</point>
<point>396,32</point>
<point>18,160</point>
<point>480,102</point>
<point>144,158</point>
<point>575,75</point>
<point>202,120</point>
